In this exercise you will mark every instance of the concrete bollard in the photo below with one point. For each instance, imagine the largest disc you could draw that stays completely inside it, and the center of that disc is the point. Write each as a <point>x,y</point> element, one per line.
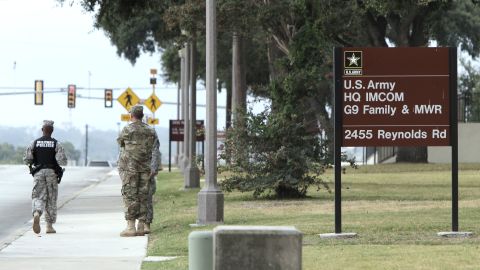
<point>257,247</point>
<point>200,250</point>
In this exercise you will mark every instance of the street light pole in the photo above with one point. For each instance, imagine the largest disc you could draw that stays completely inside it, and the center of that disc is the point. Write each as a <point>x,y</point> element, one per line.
<point>179,89</point>
<point>186,106</point>
<point>181,158</point>
<point>210,198</point>
<point>192,174</point>
<point>186,117</point>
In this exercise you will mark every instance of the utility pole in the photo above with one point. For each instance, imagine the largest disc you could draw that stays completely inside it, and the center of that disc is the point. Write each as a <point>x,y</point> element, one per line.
<point>86,145</point>
<point>210,198</point>
<point>89,80</point>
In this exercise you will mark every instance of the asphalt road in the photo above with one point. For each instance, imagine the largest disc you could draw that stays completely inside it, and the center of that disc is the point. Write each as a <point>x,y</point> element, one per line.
<point>16,190</point>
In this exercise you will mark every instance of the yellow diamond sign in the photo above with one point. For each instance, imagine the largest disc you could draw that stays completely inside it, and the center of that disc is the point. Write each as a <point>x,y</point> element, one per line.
<point>128,99</point>
<point>125,117</point>
<point>152,121</point>
<point>153,103</point>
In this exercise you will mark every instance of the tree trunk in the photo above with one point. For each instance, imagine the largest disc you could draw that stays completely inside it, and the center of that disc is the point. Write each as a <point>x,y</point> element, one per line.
<point>405,31</point>
<point>273,54</point>
<point>239,91</point>
<point>228,122</point>
<point>412,154</point>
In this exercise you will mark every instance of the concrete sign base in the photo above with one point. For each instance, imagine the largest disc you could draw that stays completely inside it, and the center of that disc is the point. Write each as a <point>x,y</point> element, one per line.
<point>337,235</point>
<point>455,234</point>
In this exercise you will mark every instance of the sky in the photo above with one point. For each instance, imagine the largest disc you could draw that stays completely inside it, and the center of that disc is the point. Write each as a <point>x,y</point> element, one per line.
<point>42,40</point>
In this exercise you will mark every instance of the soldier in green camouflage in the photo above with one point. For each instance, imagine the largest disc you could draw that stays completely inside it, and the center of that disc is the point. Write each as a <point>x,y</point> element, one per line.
<point>135,168</point>
<point>45,153</point>
<point>155,167</point>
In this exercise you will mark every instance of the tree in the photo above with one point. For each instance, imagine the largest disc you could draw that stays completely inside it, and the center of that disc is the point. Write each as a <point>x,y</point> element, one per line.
<point>289,45</point>
<point>71,152</point>
<point>133,26</point>
<point>11,155</point>
<point>280,150</point>
<point>469,88</point>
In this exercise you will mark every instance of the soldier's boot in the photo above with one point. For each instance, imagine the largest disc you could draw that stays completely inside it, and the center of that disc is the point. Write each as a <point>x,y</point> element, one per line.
<point>36,222</point>
<point>147,228</point>
<point>130,230</point>
<point>50,228</point>
<point>140,228</point>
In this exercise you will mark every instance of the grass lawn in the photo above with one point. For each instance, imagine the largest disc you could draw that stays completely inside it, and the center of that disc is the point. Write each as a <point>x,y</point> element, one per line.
<point>396,210</point>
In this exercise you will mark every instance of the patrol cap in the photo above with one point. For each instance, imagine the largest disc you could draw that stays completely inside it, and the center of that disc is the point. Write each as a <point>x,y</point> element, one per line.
<point>136,109</point>
<point>48,123</point>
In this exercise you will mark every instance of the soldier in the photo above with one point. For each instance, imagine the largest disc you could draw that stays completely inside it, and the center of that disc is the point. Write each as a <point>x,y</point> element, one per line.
<point>46,155</point>
<point>135,168</point>
<point>155,167</point>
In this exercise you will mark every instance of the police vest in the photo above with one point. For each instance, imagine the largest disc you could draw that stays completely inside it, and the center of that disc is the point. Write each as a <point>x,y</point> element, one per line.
<point>44,151</point>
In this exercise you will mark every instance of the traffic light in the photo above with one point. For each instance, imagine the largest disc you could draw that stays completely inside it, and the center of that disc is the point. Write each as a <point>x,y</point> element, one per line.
<point>38,95</point>
<point>72,95</point>
<point>153,72</point>
<point>108,98</point>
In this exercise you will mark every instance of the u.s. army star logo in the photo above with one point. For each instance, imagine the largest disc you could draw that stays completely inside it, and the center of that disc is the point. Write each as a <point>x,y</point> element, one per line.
<point>353,59</point>
<point>352,62</point>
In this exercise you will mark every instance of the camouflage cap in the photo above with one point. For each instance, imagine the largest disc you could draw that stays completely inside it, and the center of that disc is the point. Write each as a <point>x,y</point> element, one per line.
<point>48,123</point>
<point>136,109</point>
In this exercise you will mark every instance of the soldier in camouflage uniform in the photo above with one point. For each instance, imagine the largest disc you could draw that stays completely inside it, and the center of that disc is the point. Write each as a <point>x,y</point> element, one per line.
<point>155,167</point>
<point>45,153</point>
<point>135,168</point>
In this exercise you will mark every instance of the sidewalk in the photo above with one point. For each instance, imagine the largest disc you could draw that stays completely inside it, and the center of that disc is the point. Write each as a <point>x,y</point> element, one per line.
<point>87,237</point>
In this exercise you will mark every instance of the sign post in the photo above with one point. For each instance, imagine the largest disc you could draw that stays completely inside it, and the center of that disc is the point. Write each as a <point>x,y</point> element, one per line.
<point>395,97</point>
<point>454,141</point>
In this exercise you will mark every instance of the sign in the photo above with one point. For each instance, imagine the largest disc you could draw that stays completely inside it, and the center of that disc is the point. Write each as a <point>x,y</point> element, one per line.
<point>176,134</point>
<point>177,130</point>
<point>125,117</point>
<point>153,71</point>
<point>221,135</point>
<point>128,99</point>
<point>395,96</point>
<point>152,121</point>
<point>153,103</point>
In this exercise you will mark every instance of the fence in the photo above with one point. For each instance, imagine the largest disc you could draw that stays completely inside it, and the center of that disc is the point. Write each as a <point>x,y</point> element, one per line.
<point>468,107</point>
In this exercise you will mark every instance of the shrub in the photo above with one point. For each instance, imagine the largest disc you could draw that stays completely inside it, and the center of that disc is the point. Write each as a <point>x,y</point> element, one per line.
<point>272,154</point>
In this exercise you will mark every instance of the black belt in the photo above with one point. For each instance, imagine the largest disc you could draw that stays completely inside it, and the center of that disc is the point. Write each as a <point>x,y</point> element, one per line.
<point>45,166</point>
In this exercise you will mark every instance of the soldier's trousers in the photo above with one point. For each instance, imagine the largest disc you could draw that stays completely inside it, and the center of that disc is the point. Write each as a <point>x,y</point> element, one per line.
<point>135,186</point>
<point>152,189</point>
<point>45,193</point>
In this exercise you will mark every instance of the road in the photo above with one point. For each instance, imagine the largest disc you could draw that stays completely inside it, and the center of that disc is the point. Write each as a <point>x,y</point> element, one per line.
<point>16,190</point>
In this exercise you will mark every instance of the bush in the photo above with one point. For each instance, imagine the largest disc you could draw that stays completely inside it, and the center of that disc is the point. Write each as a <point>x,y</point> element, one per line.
<point>272,154</point>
